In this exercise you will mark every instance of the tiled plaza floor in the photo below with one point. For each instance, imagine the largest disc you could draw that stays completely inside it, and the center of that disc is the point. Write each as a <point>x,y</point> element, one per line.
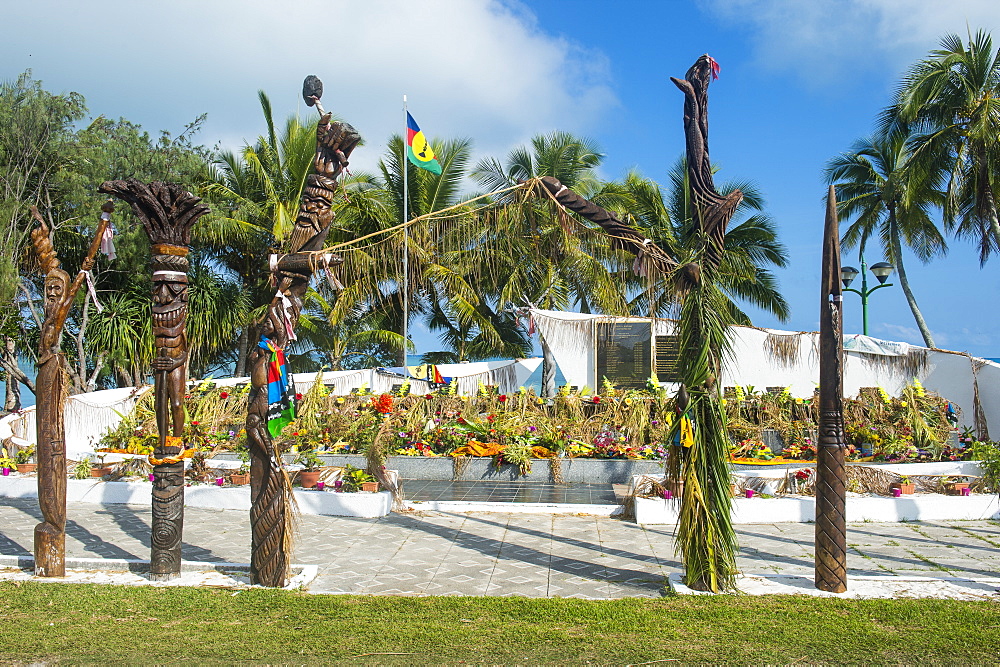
<point>438,553</point>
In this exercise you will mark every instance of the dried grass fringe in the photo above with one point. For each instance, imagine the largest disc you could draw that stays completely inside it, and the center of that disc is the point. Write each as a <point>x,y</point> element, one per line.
<point>783,349</point>
<point>910,365</point>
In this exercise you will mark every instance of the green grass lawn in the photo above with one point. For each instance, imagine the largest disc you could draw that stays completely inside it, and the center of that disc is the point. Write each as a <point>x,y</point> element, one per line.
<point>81,623</point>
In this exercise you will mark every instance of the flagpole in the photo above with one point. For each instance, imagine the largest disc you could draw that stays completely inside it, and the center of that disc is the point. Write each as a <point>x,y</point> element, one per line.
<point>406,239</point>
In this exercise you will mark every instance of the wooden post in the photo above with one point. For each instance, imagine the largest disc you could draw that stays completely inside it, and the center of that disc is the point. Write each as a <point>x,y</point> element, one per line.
<point>167,213</point>
<point>50,395</point>
<point>831,499</point>
<point>269,488</point>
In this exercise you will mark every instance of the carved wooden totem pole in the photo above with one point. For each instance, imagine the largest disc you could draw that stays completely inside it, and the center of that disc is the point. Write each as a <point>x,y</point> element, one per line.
<point>50,395</point>
<point>268,485</point>
<point>831,499</point>
<point>167,212</point>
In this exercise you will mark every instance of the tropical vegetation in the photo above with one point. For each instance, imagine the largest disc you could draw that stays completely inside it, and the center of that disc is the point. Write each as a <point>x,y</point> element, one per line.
<point>935,151</point>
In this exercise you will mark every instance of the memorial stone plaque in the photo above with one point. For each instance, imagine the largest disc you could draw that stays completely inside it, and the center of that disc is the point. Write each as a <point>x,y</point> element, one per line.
<point>624,353</point>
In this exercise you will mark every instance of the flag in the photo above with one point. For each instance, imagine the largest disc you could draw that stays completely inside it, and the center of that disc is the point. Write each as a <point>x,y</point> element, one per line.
<point>417,148</point>
<point>280,390</point>
<point>428,372</point>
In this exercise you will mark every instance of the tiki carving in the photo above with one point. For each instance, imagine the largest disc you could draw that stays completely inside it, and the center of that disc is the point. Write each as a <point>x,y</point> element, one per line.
<point>269,490</point>
<point>167,212</point>
<point>831,499</point>
<point>50,394</point>
<point>712,210</point>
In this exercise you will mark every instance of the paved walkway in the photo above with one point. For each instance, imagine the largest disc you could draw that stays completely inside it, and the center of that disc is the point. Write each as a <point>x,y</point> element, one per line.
<point>437,553</point>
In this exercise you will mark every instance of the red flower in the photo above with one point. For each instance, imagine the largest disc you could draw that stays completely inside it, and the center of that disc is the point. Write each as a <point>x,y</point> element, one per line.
<point>223,395</point>
<point>194,423</point>
<point>296,434</point>
<point>502,398</point>
<point>428,396</point>
<point>597,399</point>
<point>382,403</point>
<point>298,397</point>
<point>461,420</point>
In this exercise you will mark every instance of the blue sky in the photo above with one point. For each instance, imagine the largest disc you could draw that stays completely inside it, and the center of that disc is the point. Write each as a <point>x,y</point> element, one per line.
<point>800,81</point>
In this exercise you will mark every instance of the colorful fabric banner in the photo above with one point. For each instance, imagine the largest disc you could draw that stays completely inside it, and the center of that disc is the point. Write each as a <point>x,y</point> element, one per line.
<point>417,148</point>
<point>280,390</point>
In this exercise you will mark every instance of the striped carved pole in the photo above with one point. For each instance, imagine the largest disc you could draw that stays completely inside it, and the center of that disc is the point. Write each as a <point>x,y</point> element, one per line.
<point>167,213</point>
<point>831,500</point>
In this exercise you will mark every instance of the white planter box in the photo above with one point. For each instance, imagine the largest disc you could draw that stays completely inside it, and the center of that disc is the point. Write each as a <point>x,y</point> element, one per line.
<point>922,507</point>
<point>364,505</point>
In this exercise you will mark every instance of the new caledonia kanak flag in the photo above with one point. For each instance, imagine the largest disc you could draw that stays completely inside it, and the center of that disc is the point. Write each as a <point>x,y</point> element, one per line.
<point>280,390</point>
<point>417,148</point>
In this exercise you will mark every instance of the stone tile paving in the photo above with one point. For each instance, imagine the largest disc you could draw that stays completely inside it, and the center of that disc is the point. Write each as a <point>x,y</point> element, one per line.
<point>566,555</point>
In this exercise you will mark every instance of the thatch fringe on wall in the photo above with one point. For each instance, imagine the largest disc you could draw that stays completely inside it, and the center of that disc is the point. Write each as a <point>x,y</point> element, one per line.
<point>783,349</point>
<point>909,365</point>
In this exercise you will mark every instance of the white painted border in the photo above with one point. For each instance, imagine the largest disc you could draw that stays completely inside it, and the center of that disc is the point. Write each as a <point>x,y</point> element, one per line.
<point>330,503</point>
<point>302,575</point>
<point>858,587</point>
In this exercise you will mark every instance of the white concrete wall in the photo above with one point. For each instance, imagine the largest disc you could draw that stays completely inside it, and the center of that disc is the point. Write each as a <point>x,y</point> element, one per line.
<point>946,373</point>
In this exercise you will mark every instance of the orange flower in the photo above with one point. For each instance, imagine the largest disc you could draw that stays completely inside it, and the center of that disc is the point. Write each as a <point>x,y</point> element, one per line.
<point>382,403</point>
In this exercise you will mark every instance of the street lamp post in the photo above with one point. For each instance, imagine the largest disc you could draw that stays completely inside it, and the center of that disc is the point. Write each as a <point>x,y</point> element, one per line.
<point>881,270</point>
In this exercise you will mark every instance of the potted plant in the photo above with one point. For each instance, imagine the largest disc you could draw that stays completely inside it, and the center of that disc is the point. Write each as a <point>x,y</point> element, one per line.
<point>23,459</point>
<point>311,465</point>
<point>905,486</point>
<point>242,476</point>
<point>6,463</point>
<point>953,485</point>
<point>356,479</point>
<point>89,467</point>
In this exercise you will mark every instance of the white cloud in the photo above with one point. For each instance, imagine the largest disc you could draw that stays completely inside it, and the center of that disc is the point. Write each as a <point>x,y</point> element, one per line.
<point>478,68</point>
<point>901,333</point>
<point>829,41</point>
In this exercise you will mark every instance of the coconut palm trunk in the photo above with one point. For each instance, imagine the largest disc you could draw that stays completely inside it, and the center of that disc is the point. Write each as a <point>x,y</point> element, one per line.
<point>904,283</point>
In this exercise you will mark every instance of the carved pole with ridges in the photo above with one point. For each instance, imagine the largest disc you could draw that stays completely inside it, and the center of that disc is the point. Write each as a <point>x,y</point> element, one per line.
<point>268,485</point>
<point>50,390</point>
<point>831,499</point>
<point>167,212</point>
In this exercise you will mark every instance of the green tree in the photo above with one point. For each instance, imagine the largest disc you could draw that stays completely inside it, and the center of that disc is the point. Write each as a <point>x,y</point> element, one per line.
<point>374,278</point>
<point>951,102</point>
<point>255,195</point>
<point>892,203</point>
<point>35,150</point>
<point>537,255</point>
<point>751,247</point>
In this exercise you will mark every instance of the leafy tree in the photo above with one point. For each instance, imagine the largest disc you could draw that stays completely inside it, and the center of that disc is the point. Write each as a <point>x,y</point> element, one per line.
<point>255,195</point>
<point>892,204</point>
<point>34,152</point>
<point>951,103</point>
<point>538,255</point>
<point>751,247</point>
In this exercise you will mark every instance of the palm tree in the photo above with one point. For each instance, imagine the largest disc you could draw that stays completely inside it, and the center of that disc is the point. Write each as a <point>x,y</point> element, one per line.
<point>538,256</point>
<point>892,203</point>
<point>952,101</point>
<point>346,341</point>
<point>255,198</point>
<point>750,249</point>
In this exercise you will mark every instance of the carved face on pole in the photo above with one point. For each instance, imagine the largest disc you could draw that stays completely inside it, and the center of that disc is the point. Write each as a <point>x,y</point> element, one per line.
<point>170,295</point>
<point>56,286</point>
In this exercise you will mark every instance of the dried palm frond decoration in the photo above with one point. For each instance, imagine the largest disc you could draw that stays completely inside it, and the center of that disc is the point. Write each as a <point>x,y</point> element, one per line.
<point>909,365</point>
<point>783,349</point>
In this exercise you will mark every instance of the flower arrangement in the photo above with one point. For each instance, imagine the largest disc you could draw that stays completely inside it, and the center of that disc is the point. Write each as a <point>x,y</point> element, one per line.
<point>617,424</point>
